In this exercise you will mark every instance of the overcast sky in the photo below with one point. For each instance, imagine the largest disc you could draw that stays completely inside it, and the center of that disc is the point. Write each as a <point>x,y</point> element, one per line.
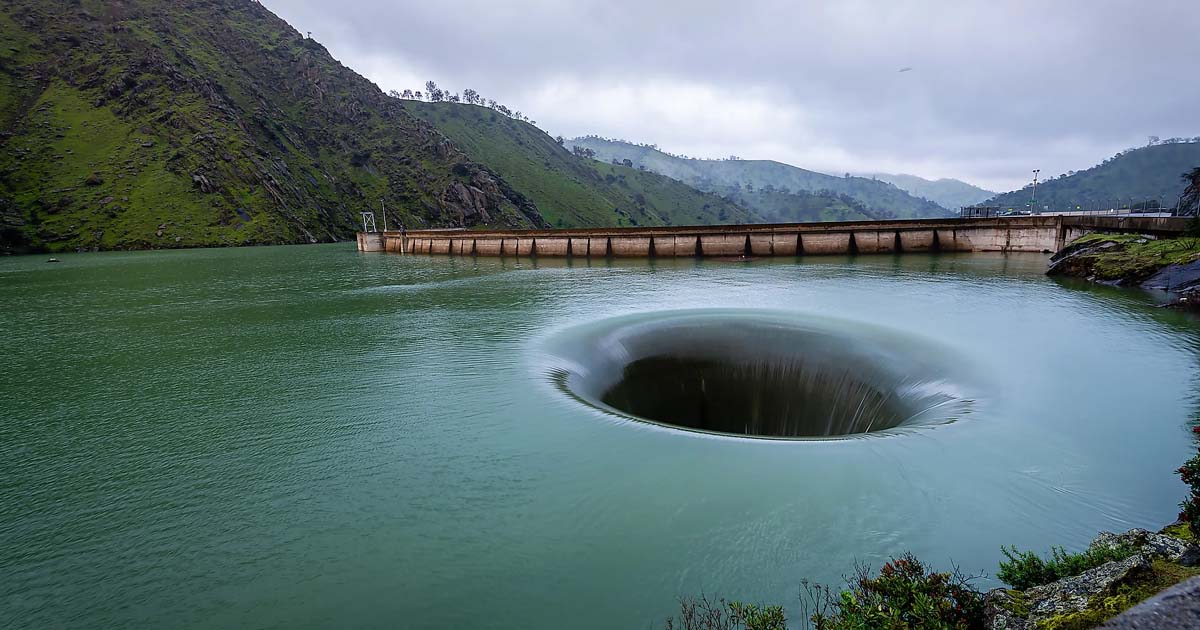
<point>997,87</point>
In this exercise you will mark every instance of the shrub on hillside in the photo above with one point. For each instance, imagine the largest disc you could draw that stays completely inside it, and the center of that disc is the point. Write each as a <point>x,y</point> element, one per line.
<point>1025,569</point>
<point>905,594</point>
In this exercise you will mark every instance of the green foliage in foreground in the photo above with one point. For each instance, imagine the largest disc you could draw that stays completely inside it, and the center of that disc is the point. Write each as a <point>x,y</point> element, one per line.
<point>1025,569</point>
<point>905,594</point>
<point>701,613</point>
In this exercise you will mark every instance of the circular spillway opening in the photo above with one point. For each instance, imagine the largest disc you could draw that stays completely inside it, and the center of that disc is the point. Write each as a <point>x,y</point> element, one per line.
<point>759,374</point>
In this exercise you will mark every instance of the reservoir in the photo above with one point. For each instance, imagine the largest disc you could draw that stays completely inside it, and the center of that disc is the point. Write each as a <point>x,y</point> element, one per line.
<point>310,436</point>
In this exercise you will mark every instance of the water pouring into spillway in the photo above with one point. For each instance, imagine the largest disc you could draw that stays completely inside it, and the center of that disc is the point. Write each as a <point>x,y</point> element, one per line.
<point>760,374</point>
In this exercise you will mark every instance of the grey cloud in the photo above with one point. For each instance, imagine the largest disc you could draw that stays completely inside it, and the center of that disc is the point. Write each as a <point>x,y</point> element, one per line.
<point>997,88</point>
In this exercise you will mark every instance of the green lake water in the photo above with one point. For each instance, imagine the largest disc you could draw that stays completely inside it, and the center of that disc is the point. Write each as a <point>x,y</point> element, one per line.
<point>311,437</point>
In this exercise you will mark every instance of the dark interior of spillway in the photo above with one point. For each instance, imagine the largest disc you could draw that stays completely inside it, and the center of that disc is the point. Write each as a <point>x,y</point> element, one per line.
<point>741,374</point>
<point>782,398</point>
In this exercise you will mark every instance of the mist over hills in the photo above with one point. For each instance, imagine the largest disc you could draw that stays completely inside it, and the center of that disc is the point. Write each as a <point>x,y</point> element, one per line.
<point>879,199</point>
<point>1134,176</point>
<point>951,194</point>
<point>568,190</point>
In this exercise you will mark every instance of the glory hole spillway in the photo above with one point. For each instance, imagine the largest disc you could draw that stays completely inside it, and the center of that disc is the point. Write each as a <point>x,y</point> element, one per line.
<point>761,374</point>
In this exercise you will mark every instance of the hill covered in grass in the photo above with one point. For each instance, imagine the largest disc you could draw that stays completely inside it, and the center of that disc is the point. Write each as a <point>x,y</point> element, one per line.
<point>570,191</point>
<point>880,199</point>
<point>1150,173</point>
<point>174,123</point>
<point>951,194</point>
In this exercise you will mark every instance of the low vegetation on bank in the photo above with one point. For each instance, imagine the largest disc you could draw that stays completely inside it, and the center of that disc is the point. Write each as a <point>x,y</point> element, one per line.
<point>1124,258</point>
<point>1062,591</point>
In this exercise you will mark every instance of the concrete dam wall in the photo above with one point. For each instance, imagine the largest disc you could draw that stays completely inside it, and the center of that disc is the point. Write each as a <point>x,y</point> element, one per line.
<point>996,234</point>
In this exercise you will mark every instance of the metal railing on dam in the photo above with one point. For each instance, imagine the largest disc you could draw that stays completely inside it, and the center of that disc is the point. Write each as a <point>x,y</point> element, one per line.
<point>994,234</point>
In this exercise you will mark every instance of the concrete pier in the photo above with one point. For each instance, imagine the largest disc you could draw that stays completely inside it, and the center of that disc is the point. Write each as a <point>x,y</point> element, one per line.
<point>993,234</point>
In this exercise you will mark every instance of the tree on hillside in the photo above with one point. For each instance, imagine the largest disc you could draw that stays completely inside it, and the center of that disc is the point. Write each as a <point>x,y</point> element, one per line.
<point>560,140</point>
<point>435,93</point>
<point>1189,203</point>
<point>408,94</point>
<point>470,96</point>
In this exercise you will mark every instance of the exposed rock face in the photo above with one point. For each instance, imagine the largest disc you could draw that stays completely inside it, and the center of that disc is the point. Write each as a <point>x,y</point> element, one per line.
<point>480,200</point>
<point>1151,544</point>
<point>1071,594</point>
<point>1076,259</point>
<point>470,204</point>
<point>1003,611</point>
<point>1181,278</point>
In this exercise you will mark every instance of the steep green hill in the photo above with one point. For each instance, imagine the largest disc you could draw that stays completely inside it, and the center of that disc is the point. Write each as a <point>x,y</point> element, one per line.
<point>951,194</point>
<point>171,123</point>
<point>1150,173</point>
<point>570,191</point>
<point>879,198</point>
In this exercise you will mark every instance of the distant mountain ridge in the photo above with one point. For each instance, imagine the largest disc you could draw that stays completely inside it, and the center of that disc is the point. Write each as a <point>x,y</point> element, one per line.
<point>1132,177</point>
<point>880,199</point>
<point>570,191</point>
<point>951,194</point>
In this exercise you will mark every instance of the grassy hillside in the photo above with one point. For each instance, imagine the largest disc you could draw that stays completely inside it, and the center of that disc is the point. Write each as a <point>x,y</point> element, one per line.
<point>879,198</point>
<point>1147,173</point>
<point>172,123</point>
<point>570,191</point>
<point>951,194</point>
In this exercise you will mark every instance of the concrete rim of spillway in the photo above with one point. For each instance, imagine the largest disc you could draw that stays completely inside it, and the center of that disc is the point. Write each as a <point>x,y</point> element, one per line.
<point>760,374</point>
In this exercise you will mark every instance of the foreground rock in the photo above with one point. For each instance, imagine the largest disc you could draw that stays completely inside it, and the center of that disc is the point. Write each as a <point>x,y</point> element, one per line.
<point>1180,278</point>
<point>1015,609</point>
<point>1089,598</point>
<point>1152,544</point>
<point>1176,608</point>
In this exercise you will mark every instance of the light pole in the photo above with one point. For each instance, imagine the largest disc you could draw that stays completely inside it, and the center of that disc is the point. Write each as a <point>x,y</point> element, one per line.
<point>1033,199</point>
